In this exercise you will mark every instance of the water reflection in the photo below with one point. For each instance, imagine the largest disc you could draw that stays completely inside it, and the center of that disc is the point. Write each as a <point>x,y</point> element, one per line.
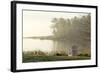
<point>45,45</point>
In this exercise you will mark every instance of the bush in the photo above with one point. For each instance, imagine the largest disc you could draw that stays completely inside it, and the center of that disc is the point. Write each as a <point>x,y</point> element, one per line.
<point>87,55</point>
<point>58,54</point>
<point>34,53</point>
<point>61,54</point>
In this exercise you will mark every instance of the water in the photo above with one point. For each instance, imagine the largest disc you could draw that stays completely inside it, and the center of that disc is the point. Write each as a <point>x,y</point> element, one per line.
<point>45,45</point>
<point>37,44</point>
<point>48,46</point>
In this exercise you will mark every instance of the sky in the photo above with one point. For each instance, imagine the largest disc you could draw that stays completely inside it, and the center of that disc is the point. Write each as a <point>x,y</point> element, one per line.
<point>38,23</point>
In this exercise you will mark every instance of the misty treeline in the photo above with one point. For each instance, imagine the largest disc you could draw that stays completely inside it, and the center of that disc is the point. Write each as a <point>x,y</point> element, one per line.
<point>76,30</point>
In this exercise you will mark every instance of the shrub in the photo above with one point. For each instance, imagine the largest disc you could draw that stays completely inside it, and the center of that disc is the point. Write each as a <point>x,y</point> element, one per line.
<point>58,54</point>
<point>87,55</point>
<point>61,54</point>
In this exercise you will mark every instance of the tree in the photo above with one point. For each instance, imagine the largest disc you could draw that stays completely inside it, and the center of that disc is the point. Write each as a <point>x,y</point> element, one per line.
<point>76,30</point>
<point>59,27</point>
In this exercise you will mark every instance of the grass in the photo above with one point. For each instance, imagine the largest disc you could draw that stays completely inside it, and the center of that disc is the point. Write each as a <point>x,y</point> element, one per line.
<point>28,57</point>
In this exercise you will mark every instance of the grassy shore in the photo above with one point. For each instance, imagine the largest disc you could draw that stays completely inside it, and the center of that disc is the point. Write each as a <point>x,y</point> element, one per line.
<point>30,58</point>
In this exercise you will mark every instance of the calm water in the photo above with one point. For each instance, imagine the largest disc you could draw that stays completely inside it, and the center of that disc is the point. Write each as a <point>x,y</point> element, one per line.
<point>36,44</point>
<point>45,45</point>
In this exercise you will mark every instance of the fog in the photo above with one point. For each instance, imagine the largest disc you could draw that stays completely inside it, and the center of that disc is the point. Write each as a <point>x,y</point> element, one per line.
<point>67,28</point>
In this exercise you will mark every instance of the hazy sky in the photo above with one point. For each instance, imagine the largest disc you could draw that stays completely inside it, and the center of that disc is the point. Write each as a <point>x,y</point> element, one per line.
<point>38,23</point>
